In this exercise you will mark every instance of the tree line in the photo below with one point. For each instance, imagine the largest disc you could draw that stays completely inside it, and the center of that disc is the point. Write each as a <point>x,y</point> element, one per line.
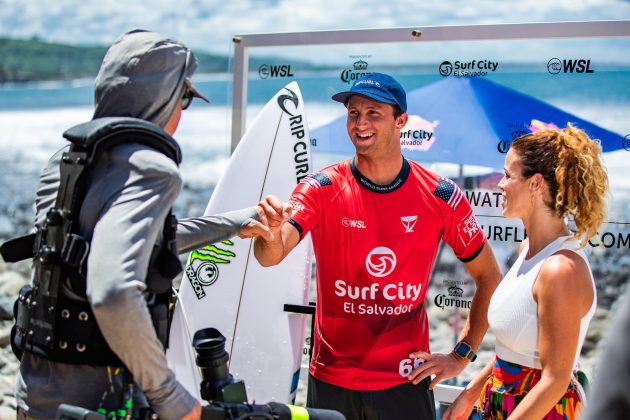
<point>29,60</point>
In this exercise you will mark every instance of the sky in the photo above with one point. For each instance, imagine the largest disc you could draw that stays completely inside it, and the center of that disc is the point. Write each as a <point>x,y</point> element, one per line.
<point>210,25</point>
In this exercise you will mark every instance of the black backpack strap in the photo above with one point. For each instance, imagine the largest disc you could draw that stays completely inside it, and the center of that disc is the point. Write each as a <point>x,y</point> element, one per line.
<point>93,136</point>
<point>60,252</point>
<point>18,249</point>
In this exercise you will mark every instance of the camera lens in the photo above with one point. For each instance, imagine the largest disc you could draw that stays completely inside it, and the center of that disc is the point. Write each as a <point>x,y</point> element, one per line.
<point>212,358</point>
<point>217,384</point>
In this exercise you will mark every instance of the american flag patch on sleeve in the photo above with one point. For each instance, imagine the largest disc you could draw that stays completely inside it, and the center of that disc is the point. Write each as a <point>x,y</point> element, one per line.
<point>316,180</point>
<point>448,191</point>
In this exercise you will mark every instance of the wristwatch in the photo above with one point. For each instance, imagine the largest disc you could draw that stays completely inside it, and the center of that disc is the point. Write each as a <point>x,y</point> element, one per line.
<point>463,350</point>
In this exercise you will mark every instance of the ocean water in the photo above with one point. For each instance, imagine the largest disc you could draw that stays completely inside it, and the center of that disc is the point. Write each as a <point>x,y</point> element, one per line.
<point>33,116</point>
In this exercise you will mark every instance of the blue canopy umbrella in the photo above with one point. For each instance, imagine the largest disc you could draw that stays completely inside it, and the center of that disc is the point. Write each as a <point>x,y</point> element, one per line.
<point>467,121</point>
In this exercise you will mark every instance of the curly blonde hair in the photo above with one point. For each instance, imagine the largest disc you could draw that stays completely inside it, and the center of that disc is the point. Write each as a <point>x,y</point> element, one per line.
<point>570,163</point>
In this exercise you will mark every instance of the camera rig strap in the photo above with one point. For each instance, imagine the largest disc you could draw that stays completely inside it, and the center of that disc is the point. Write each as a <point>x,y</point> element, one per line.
<point>59,251</point>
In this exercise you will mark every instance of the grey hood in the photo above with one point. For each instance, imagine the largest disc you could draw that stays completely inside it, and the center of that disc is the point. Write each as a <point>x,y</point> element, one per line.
<point>143,76</point>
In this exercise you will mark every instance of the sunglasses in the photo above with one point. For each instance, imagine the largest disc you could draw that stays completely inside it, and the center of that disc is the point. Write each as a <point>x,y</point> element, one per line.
<point>187,99</point>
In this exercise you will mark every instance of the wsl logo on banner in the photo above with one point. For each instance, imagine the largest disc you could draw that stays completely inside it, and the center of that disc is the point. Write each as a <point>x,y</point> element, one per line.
<point>296,125</point>
<point>468,68</point>
<point>555,66</point>
<point>274,71</point>
<point>358,70</point>
<point>203,268</point>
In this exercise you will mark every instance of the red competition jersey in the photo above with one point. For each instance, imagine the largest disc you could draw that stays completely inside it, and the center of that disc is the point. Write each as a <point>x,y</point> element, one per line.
<point>375,247</point>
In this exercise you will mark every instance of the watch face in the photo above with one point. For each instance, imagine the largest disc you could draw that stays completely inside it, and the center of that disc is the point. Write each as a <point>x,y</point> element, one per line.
<point>462,349</point>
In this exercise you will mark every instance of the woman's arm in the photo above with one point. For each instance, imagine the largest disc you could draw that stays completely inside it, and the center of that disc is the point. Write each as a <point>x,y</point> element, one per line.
<point>463,404</point>
<point>564,293</point>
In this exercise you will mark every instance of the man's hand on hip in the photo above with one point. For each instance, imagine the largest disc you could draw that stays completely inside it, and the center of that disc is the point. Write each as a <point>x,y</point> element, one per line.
<point>443,366</point>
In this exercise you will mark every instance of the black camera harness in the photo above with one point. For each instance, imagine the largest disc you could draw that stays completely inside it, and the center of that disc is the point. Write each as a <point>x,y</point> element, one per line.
<point>49,324</point>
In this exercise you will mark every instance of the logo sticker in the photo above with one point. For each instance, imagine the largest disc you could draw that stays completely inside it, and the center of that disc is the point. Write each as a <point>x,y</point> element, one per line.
<point>380,262</point>
<point>292,97</point>
<point>358,70</point>
<point>446,68</point>
<point>203,268</point>
<point>455,298</point>
<point>409,222</point>
<point>468,228</point>
<point>418,134</point>
<point>277,70</point>
<point>351,223</point>
<point>467,68</point>
<point>555,66</point>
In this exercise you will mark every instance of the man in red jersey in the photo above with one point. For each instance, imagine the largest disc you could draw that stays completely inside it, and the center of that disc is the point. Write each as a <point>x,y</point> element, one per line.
<point>376,221</point>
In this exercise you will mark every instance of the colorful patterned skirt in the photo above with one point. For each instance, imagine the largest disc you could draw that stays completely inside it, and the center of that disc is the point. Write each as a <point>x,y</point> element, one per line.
<point>510,382</point>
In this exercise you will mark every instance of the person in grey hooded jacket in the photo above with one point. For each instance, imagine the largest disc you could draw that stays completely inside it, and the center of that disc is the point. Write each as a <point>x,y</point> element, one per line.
<point>130,191</point>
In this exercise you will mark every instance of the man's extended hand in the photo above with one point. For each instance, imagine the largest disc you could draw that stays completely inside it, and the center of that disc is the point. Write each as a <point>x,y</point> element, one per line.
<point>443,366</point>
<point>273,213</point>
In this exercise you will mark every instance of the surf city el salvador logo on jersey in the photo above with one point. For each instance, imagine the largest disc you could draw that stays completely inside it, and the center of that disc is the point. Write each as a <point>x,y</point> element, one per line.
<point>296,125</point>
<point>381,297</point>
<point>380,262</point>
<point>203,267</point>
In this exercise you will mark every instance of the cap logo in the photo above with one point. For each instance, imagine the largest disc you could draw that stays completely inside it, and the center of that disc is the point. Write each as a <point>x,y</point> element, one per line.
<point>367,81</point>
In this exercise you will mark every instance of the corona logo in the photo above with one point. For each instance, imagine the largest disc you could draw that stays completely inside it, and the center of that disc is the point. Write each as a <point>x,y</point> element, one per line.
<point>455,291</point>
<point>360,65</point>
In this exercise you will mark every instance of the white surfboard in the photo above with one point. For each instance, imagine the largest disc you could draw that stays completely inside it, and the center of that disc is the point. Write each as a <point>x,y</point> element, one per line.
<point>226,288</point>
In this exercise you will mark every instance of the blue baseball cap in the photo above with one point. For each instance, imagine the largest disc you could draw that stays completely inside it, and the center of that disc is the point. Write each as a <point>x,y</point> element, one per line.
<point>378,86</point>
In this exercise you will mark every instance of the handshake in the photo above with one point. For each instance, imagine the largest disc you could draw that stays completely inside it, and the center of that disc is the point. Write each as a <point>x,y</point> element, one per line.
<point>272,214</point>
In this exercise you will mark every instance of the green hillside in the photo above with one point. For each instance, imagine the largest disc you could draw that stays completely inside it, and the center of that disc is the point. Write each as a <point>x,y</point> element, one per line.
<point>30,60</point>
<point>35,60</point>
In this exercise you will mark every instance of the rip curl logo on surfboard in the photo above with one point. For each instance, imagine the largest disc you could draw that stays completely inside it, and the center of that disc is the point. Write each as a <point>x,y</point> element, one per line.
<point>292,97</point>
<point>203,267</point>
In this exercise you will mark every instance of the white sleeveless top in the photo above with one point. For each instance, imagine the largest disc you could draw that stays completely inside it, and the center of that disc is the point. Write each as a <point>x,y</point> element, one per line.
<point>513,312</point>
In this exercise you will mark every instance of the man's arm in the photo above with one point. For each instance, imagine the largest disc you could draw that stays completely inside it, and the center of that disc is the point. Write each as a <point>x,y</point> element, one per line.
<point>486,273</point>
<point>271,249</point>
<point>136,191</point>
<point>196,232</point>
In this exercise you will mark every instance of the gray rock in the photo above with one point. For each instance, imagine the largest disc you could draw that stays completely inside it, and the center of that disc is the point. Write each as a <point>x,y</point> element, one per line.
<point>6,307</point>
<point>11,282</point>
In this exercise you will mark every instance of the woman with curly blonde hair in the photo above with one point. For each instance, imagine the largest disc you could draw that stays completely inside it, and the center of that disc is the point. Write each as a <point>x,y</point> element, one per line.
<point>542,308</point>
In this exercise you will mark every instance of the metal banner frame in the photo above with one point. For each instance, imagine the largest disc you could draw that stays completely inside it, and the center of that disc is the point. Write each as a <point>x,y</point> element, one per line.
<point>558,30</point>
